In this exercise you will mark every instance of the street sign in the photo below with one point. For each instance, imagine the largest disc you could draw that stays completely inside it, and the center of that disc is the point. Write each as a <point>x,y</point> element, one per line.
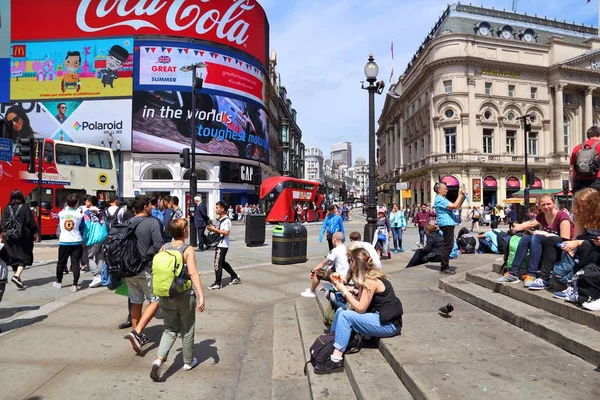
<point>6,149</point>
<point>401,185</point>
<point>406,194</point>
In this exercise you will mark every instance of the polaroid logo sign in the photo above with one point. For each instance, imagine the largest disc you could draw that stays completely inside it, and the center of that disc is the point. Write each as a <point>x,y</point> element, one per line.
<point>99,126</point>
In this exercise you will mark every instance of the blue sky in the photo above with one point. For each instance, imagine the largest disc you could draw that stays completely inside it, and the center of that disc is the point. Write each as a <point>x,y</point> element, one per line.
<point>323,45</point>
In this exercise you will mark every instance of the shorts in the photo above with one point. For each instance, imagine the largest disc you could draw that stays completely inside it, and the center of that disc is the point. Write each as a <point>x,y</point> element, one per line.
<point>140,288</point>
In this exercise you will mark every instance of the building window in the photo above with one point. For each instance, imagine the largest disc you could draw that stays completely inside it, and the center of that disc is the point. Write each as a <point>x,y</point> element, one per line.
<point>533,143</point>
<point>511,90</point>
<point>488,141</point>
<point>510,116</point>
<point>488,88</point>
<point>534,93</point>
<point>566,131</point>
<point>447,86</point>
<point>449,113</point>
<point>450,138</point>
<point>595,102</point>
<point>284,133</point>
<point>158,173</point>
<point>567,98</point>
<point>511,142</point>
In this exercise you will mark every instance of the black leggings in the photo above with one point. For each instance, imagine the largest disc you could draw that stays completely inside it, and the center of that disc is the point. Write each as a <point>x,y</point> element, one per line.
<point>419,258</point>
<point>221,264</point>
<point>550,255</point>
<point>64,252</point>
<point>448,232</point>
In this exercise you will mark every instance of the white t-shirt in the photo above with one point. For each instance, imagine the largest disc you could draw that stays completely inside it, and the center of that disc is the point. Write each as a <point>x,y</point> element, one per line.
<point>113,209</point>
<point>225,225</point>
<point>372,253</point>
<point>339,257</point>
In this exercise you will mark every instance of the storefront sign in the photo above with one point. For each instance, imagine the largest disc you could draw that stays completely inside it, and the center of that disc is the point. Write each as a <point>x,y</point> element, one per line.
<point>90,121</point>
<point>231,172</point>
<point>489,182</point>
<point>505,74</point>
<point>450,180</point>
<point>160,66</point>
<point>241,24</point>
<point>5,18</point>
<point>476,183</point>
<point>537,183</point>
<point>513,183</point>
<point>71,69</point>
<point>407,194</point>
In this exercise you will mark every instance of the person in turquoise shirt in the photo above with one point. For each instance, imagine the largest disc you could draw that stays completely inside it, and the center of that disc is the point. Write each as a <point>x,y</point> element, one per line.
<point>331,224</point>
<point>398,222</point>
<point>446,221</point>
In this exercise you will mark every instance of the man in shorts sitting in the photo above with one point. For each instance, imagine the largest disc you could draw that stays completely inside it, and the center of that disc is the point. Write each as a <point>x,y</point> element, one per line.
<point>336,261</point>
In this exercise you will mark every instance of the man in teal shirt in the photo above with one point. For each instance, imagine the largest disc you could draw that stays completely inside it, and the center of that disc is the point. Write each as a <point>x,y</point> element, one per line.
<point>331,224</point>
<point>446,221</point>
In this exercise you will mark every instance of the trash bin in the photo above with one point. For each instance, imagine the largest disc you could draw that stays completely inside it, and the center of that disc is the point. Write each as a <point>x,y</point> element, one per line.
<point>255,229</point>
<point>289,244</point>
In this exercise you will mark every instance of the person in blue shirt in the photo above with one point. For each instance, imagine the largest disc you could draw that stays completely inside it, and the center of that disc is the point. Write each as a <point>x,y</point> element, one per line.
<point>446,221</point>
<point>488,242</point>
<point>398,222</point>
<point>331,224</point>
<point>156,212</point>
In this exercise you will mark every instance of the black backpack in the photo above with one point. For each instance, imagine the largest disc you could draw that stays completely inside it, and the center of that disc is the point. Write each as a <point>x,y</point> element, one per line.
<point>121,250</point>
<point>13,229</point>
<point>588,283</point>
<point>213,238</point>
<point>501,241</point>
<point>111,219</point>
<point>466,244</point>
<point>587,162</point>
<point>322,348</point>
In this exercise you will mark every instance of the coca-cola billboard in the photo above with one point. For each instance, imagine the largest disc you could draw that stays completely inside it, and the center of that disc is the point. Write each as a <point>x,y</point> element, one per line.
<point>241,24</point>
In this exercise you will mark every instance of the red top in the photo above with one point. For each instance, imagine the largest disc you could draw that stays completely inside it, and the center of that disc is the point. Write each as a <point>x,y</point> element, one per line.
<point>554,227</point>
<point>590,142</point>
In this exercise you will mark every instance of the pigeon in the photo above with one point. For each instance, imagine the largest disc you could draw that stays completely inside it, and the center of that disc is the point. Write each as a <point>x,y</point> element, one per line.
<point>446,310</point>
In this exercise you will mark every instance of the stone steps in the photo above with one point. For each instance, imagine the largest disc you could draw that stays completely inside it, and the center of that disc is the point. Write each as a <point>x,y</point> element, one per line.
<point>573,337</point>
<point>541,299</point>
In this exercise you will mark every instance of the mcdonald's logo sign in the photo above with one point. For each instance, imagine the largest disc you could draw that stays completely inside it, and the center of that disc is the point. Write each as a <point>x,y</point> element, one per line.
<point>18,50</point>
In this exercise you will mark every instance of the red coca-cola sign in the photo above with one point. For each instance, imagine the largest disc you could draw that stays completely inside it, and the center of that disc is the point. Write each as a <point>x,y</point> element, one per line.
<point>241,24</point>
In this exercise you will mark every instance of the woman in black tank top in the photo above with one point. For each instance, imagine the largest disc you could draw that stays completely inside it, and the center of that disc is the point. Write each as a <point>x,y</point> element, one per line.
<point>376,311</point>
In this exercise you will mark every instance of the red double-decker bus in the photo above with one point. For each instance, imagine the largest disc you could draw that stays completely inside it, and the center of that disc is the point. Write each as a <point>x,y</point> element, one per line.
<point>281,194</point>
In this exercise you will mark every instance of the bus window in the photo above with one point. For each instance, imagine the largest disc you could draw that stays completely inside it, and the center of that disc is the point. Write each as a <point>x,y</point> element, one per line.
<point>70,155</point>
<point>32,197</point>
<point>104,195</point>
<point>48,153</point>
<point>62,194</point>
<point>99,159</point>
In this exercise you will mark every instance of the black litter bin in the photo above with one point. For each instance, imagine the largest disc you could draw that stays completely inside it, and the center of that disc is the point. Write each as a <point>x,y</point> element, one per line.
<point>255,229</point>
<point>289,244</point>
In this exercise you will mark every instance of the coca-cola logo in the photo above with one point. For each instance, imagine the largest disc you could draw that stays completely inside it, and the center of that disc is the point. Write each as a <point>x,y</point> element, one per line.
<point>179,15</point>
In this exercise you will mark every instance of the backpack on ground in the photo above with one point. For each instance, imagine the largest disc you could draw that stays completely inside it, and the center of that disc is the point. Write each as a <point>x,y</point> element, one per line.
<point>13,229</point>
<point>587,162</point>
<point>563,269</point>
<point>467,244</point>
<point>322,348</point>
<point>121,250</point>
<point>501,242</point>
<point>587,283</point>
<point>169,274</point>
<point>111,220</point>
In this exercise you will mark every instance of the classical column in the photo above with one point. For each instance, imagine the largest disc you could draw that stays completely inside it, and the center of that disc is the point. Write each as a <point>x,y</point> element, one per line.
<point>558,117</point>
<point>401,136</point>
<point>589,113</point>
<point>471,131</point>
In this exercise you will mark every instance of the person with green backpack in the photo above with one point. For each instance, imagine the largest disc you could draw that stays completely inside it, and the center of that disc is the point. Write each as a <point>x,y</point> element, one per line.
<point>176,283</point>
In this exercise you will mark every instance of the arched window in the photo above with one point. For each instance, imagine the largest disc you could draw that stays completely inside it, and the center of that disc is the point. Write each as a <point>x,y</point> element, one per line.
<point>158,173</point>
<point>201,174</point>
<point>566,134</point>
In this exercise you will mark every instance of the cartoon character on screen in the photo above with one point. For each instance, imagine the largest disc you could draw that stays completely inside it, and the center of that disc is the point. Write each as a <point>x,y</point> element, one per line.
<point>115,60</point>
<point>71,74</point>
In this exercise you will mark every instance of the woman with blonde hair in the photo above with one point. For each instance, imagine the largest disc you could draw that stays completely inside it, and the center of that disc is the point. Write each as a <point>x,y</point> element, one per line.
<point>376,311</point>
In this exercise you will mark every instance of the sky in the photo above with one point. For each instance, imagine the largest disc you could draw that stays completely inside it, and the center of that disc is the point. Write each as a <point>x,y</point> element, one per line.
<point>323,45</point>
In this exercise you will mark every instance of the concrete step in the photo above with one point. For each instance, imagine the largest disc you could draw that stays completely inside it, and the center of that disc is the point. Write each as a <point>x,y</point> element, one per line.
<point>541,299</point>
<point>287,379</point>
<point>322,387</point>
<point>577,339</point>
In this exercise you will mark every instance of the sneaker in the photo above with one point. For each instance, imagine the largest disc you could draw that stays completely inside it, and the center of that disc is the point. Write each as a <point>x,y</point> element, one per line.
<point>17,281</point>
<point>395,251</point>
<point>155,372</point>
<point>143,339</point>
<point>420,246</point>
<point>448,271</point>
<point>187,367</point>
<point>330,367</point>
<point>592,305</point>
<point>508,278</point>
<point>135,339</point>
<point>125,325</point>
<point>539,284</point>
<point>401,249</point>
<point>528,280</point>
<point>568,295</point>
<point>96,282</point>
<point>74,289</point>
<point>57,285</point>
<point>235,281</point>
<point>308,293</point>
<point>215,286</point>
<point>65,271</point>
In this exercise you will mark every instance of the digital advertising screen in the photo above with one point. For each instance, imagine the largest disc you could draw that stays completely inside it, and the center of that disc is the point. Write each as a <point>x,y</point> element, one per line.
<point>88,121</point>
<point>96,68</point>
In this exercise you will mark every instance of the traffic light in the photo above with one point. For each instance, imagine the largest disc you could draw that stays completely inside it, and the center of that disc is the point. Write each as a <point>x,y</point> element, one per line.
<point>185,158</point>
<point>27,153</point>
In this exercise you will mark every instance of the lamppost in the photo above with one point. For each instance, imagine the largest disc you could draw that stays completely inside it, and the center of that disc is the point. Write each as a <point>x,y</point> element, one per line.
<point>111,140</point>
<point>371,71</point>
<point>196,85</point>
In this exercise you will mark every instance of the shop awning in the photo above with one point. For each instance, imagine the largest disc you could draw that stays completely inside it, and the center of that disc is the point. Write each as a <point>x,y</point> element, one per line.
<point>539,192</point>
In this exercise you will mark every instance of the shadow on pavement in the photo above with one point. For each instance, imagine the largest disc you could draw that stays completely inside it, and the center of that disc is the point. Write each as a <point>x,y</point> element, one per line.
<point>9,312</point>
<point>203,352</point>
<point>20,323</point>
<point>29,283</point>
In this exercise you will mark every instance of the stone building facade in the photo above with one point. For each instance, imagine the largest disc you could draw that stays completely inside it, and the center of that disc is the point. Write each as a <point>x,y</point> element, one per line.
<point>453,115</point>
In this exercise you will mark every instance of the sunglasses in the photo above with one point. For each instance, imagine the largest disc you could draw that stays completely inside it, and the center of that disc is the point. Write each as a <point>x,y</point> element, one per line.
<point>15,120</point>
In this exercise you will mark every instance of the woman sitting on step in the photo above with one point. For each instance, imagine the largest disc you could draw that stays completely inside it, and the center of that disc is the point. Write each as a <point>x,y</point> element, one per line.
<point>375,312</point>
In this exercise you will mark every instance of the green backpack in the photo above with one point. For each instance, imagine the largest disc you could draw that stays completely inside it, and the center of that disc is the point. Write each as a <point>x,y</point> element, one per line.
<point>512,248</point>
<point>169,275</point>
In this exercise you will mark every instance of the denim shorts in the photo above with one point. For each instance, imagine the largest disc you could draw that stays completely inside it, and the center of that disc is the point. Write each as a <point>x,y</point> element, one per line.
<point>140,288</point>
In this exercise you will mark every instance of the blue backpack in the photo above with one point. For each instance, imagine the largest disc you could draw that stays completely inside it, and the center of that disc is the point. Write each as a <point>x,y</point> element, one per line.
<point>563,269</point>
<point>95,229</point>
